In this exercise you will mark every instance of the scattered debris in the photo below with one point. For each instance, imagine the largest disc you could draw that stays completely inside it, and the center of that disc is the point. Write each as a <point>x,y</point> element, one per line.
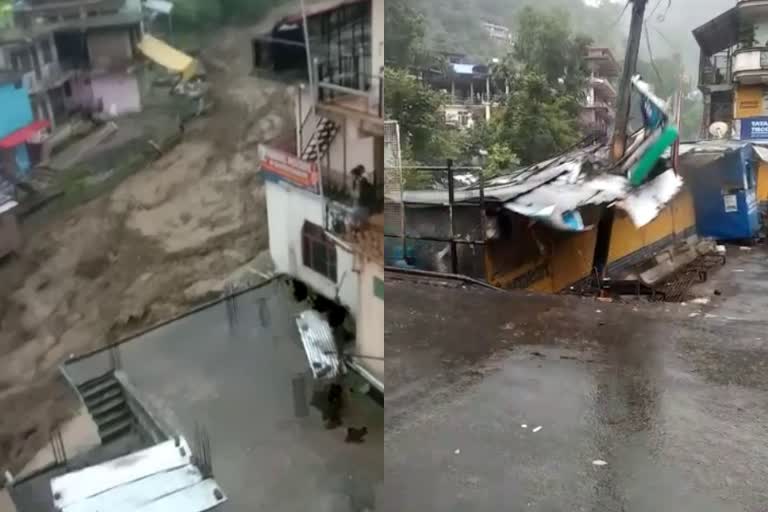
<point>537,354</point>
<point>718,292</point>
<point>524,425</point>
<point>709,315</point>
<point>456,451</point>
<point>745,248</point>
<point>536,429</point>
<point>598,462</point>
<point>693,315</point>
<point>598,311</point>
<point>701,300</point>
<point>720,249</point>
<point>738,270</point>
<point>605,299</point>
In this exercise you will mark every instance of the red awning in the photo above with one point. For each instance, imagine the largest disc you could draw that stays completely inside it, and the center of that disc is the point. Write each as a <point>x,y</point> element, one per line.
<point>22,135</point>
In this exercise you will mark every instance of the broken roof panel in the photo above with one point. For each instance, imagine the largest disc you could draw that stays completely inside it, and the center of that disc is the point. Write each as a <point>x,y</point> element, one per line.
<point>319,344</point>
<point>158,478</point>
<point>554,191</point>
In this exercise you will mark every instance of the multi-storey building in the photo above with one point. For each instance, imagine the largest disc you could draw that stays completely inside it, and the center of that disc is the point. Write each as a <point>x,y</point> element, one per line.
<point>75,55</point>
<point>471,90</point>
<point>733,70</point>
<point>498,33</point>
<point>324,187</point>
<point>598,112</point>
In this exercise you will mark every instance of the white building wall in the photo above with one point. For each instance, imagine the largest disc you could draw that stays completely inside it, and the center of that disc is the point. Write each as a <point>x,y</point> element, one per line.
<point>370,321</point>
<point>377,36</point>
<point>358,150</point>
<point>287,209</point>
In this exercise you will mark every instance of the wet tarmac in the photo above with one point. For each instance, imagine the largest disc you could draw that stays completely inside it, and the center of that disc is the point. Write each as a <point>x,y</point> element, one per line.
<point>673,398</point>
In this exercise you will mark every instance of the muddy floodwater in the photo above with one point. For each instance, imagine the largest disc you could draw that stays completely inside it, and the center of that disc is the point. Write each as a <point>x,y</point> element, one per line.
<point>642,407</point>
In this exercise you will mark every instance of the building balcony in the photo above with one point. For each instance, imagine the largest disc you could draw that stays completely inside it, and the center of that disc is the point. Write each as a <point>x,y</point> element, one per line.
<point>352,93</point>
<point>715,71</point>
<point>51,76</point>
<point>750,65</point>
<point>601,109</point>
<point>603,88</point>
<point>751,9</point>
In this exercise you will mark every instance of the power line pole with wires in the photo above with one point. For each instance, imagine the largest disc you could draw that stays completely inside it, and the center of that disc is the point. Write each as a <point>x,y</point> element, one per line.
<point>625,86</point>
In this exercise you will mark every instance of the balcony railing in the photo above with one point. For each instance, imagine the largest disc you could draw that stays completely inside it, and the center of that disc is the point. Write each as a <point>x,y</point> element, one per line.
<point>350,88</point>
<point>750,65</point>
<point>604,86</point>
<point>715,70</point>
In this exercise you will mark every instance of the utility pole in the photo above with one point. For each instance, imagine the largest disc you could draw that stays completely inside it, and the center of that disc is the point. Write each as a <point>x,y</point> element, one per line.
<point>625,86</point>
<point>619,143</point>
<point>678,112</point>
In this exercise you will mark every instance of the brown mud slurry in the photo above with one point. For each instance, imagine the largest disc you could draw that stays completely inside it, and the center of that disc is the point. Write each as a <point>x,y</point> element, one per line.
<point>162,241</point>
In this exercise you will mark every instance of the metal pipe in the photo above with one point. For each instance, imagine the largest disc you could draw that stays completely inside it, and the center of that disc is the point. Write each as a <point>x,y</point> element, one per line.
<point>454,254</point>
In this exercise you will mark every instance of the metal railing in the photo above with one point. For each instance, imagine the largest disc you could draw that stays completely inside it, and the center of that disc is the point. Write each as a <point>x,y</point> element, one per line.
<point>348,84</point>
<point>439,178</point>
<point>715,69</point>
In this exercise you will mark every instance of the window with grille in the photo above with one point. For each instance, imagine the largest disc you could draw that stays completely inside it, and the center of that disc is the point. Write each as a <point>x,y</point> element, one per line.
<point>318,251</point>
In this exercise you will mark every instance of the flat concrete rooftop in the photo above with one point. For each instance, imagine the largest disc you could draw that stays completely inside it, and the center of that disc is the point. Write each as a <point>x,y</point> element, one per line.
<point>235,380</point>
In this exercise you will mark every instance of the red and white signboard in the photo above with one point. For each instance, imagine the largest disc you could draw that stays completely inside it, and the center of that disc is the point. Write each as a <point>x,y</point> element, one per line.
<point>290,168</point>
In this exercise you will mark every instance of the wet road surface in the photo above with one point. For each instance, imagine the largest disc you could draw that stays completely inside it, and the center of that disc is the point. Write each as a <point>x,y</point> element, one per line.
<point>673,398</point>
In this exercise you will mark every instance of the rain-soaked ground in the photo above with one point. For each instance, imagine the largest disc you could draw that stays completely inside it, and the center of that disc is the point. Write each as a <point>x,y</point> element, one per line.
<point>673,398</point>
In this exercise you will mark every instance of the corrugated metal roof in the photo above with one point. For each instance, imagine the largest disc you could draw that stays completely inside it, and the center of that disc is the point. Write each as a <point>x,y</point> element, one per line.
<point>463,69</point>
<point>158,478</point>
<point>319,344</point>
<point>7,204</point>
<point>718,33</point>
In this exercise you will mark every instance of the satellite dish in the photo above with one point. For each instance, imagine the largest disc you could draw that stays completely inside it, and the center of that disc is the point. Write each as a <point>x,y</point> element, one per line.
<point>719,130</point>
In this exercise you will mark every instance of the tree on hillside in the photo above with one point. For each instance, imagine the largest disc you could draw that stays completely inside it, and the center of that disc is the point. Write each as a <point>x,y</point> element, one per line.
<point>547,74</point>
<point>419,110</point>
<point>404,30</point>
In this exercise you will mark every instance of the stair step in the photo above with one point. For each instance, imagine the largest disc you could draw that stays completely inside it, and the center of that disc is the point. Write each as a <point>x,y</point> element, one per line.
<point>96,381</point>
<point>106,421</point>
<point>95,400</point>
<point>115,431</point>
<point>108,406</point>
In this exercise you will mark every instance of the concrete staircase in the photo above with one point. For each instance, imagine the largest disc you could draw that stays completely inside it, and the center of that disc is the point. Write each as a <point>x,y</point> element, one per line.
<point>106,402</point>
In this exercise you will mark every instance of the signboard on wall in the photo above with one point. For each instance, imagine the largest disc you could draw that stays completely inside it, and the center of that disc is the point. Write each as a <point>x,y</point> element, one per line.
<point>754,128</point>
<point>284,166</point>
<point>749,101</point>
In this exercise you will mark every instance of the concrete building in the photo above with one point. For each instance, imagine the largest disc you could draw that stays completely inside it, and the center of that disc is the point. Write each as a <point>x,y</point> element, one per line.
<point>598,113</point>
<point>498,33</point>
<point>10,237</point>
<point>733,72</point>
<point>17,128</point>
<point>75,56</point>
<point>471,89</point>
<point>323,187</point>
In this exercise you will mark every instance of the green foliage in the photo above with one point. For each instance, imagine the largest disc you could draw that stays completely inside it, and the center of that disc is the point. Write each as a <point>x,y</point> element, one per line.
<point>547,74</point>
<point>202,14</point>
<point>403,34</point>
<point>419,111</point>
<point>538,120</point>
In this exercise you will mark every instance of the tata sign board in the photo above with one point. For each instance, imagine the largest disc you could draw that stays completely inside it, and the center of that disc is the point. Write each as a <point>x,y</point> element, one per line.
<point>754,128</point>
<point>283,166</point>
